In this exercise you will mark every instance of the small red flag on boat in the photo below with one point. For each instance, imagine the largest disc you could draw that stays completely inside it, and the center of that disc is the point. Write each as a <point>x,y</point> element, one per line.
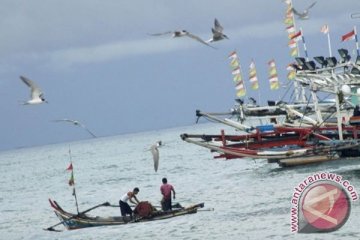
<point>348,36</point>
<point>70,167</point>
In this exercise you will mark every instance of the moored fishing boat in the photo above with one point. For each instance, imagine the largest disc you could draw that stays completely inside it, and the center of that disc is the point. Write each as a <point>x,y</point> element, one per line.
<point>144,212</point>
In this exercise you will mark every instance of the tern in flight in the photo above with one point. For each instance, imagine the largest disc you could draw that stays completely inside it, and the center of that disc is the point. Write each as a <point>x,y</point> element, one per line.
<point>76,123</point>
<point>217,31</point>
<point>36,95</point>
<point>183,33</point>
<point>305,14</point>
<point>155,153</point>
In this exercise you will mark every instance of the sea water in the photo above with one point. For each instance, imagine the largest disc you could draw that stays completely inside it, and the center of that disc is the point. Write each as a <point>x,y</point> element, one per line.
<point>251,199</point>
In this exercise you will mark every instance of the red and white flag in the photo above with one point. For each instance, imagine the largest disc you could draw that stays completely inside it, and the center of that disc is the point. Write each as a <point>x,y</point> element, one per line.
<point>348,36</point>
<point>324,29</point>
<point>70,167</point>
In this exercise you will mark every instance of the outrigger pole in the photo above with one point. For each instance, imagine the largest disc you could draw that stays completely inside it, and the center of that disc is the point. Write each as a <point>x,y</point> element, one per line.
<point>72,182</point>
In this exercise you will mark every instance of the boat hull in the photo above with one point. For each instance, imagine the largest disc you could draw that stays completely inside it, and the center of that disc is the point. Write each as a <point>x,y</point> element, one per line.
<point>75,221</point>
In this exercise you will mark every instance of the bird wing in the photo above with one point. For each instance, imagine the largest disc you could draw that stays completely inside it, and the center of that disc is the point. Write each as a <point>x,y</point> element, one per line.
<point>76,123</point>
<point>83,126</point>
<point>35,90</point>
<point>198,39</point>
<point>296,12</point>
<point>65,120</point>
<point>311,5</point>
<point>216,34</point>
<point>155,154</point>
<point>218,27</point>
<point>159,34</point>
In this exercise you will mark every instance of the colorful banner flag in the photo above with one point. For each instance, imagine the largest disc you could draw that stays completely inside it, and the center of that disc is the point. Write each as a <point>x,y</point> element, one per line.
<point>324,29</point>
<point>348,36</point>
<point>236,72</point>
<point>273,77</point>
<point>253,76</point>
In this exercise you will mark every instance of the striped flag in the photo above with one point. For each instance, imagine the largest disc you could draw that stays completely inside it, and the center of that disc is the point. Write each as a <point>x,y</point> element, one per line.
<point>236,72</point>
<point>273,77</point>
<point>253,76</point>
<point>324,29</point>
<point>348,36</point>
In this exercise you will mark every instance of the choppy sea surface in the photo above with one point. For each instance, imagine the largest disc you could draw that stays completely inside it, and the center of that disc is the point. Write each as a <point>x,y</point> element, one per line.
<point>251,199</point>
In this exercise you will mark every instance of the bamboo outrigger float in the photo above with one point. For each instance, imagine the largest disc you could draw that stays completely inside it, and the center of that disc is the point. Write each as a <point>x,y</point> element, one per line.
<point>144,212</point>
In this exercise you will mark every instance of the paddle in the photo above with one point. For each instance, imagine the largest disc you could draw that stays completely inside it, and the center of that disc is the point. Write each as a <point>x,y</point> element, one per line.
<point>79,214</point>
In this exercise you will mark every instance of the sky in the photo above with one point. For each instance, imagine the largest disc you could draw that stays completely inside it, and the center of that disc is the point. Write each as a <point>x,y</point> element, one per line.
<point>96,62</point>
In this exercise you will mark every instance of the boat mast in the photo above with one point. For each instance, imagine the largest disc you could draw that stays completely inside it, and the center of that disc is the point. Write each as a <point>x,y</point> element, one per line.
<point>73,183</point>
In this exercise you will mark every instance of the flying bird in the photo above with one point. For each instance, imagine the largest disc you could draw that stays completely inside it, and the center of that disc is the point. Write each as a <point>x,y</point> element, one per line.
<point>217,31</point>
<point>155,153</point>
<point>76,123</point>
<point>183,33</point>
<point>36,94</point>
<point>305,14</point>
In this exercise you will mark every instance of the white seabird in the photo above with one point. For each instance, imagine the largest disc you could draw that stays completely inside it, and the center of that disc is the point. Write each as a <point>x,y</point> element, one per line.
<point>76,123</point>
<point>217,31</point>
<point>36,94</point>
<point>183,33</point>
<point>155,153</point>
<point>305,14</point>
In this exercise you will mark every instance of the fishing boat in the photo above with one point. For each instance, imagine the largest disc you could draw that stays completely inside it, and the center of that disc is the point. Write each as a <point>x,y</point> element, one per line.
<point>143,212</point>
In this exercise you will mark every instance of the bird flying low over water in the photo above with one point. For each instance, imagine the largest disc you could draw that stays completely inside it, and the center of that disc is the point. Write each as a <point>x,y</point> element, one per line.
<point>183,33</point>
<point>76,123</point>
<point>36,94</point>
<point>155,153</point>
<point>217,31</point>
<point>305,14</point>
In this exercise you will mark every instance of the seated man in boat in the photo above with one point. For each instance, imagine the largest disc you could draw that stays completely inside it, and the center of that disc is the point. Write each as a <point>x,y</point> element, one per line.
<point>166,190</point>
<point>129,196</point>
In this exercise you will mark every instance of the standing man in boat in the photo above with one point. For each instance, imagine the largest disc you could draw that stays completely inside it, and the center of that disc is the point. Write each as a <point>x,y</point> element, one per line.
<point>166,190</point>
<point>124,206</point>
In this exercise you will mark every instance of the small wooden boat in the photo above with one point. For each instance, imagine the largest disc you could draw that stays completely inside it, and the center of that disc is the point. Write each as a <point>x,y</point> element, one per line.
<point>143,212</point>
